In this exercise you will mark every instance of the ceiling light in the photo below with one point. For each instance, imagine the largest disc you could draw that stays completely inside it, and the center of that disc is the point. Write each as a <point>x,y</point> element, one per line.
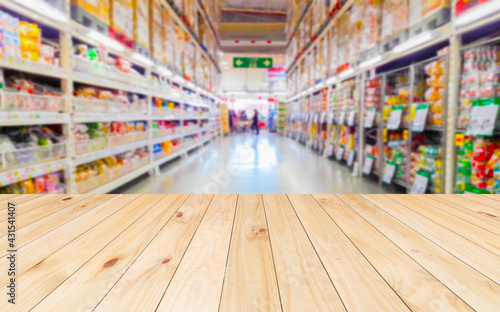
<point>165,71</point>
<point>141,58</point>
<point>372,61</point>
<point>105,40</point>
<point>45,10</point>
<point>479,12</point>
<point>346,72</point>
<point>331,80</point>
<point>416,41</point>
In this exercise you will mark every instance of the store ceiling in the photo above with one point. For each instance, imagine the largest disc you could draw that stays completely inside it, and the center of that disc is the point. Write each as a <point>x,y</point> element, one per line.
<point>253,26</point>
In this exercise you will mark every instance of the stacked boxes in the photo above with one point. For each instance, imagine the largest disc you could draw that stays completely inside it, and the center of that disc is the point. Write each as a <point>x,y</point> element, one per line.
<point>122,17</point>
<point>141,22</point>
<point>10,45</point>
<point>168,38</point>
<point>100,9</point>
<point>156,29</point>
<point>31,40</point>
<point>396,17</point>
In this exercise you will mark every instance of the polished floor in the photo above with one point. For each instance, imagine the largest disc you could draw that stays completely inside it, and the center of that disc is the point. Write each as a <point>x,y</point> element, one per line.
<point>259,253</point>
<point>250,164</point>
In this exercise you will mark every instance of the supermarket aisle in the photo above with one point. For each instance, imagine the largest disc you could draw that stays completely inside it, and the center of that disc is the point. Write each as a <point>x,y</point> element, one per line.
<point>243,163</point>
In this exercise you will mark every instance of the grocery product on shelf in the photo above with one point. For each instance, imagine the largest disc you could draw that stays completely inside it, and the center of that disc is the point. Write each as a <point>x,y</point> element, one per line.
<point>396,151</point>
<point>141,22</point>
<point>373,102</point>
<point>435,94</point>
<point>167,148</point>
<point>51,183</point>
<point>162,128</point>
<point>100,172</point>
<point>99,9</point>
<point>99,100</point>
<point>429,159</point>
<point>21,146</point>
<point>479,78</point>
<point>397,96</point>
<point>23,94</point>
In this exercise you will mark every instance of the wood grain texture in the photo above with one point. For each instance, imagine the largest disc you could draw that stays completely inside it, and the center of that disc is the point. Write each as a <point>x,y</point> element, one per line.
<point>143,285</point>
<point>475,234</point>
<point>462,201</point>
<point>250,283</point>
<point>37,250</point>
<point>197,284</point>
<point>29,229</point>
<point>467,251</point>
<point>468,215</point>
<point>62,264</point>
<point>26,203</point>
<point>352,275</point>
<point>303,282</point>
<point>83,290</point>
<point>474,288</point>
<point>412,283</point>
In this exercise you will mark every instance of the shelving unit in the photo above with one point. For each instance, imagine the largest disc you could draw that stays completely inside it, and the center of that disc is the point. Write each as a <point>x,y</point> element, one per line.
<point>153,78</point>
<point>411,50</point>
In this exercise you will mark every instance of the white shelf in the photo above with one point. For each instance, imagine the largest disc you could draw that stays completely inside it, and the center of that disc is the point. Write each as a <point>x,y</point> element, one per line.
<point>106,188</point>
<point>160,162</point>
<point>168,138</point>
<point>107,83</point>
<point>86,158</point>
<point>35,68</point>
<point>167,117</point>
<point>11,5</point>
<point>11,176</point>
<point>104,117</point>
<point>32,118</point>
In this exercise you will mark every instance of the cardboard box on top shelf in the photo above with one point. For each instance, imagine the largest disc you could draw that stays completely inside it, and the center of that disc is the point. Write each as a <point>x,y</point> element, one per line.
<point>371,23</point>
<point>434,5</point>
<point>169,38</point>
<point>100,9</point>
<point>343,38</point>
<point>178,4</point>
<point>325,47</point>
<point>156,28</point>
<point>355,30</point>
<point>141,22</point>
<point>400,16</point>
<point>416,12</point>
<point>122,17</point>
<point>334,58</point>
<point>179,47</point>
<point>202,30</point>
<point>187,11</point>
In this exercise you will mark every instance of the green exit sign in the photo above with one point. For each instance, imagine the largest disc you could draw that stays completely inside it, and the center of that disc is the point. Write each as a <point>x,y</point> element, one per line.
<point>252,62</point>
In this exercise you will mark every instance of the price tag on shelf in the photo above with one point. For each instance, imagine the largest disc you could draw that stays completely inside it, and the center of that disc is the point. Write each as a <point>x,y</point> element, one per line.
<point>483,118</point>
<point>370,117</point>
<point>350,159</point>
<point>340,152</point>
<point>420,184</point>
<point>368,164</point>
<point>389,171</point>
<point>342,117</point>
<point>351,121</point>
<point>420,118</point>
<point>395,118</point>
<point>331,118</point>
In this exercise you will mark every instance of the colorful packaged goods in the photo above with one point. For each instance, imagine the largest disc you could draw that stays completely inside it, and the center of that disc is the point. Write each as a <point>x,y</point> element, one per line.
<point>156,29</point>
<point>141,22</point>
<point>46,184</point>
<point>436,92</point>
<point>98,8</point>
<point>122,17</point>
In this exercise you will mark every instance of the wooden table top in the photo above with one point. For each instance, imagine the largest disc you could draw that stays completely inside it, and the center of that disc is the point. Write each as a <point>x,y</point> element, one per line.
<point>254,252</point>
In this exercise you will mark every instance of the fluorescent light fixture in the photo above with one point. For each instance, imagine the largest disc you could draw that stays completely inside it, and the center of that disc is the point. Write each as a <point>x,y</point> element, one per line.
<point>372,61</point>
<point>44,9</point>
<point>477,13</point>
<point>346,72</point>
<point>164,71</point>
<point>178,79</point>
<point>331,80</point>
<point>224,63</point>
<point>237,92</point>
<point>415,41</point>
<point>105,40</point>
<point>141,58</point>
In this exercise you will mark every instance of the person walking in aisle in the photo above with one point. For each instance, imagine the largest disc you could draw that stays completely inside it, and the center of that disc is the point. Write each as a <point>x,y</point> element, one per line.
<point>255,121</point>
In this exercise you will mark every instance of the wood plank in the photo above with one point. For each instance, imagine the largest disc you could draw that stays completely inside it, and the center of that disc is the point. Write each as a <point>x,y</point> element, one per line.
<point>466,214</point>
<point>304,284</point>
<point>56,268</point>
<point>32,231</point>
<point>461,201</point>
<point>413,284</point>
<point>143,285</point>
<point>27,202</point>
<point>481,259</point>
<point>83,290</point>
<point>469,231</point>
<point>39,249</point>
<point>484,201</point>
<point>4,198</point>
<point>43,211</point>
<point>250,282</point>
<point>474,288</point>
<point>197,284</point>
<point>352,274</point>
<point>492,196</point>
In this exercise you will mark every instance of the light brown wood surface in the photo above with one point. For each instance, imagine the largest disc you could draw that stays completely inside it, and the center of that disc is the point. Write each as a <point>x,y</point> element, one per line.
<point>254,253</point>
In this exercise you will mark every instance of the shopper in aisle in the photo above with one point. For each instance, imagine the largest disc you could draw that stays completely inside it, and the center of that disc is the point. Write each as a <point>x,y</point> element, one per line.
<point>255,121</point>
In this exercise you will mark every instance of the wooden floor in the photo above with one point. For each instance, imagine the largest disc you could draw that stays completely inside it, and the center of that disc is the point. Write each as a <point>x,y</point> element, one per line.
<point>254,253</point>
